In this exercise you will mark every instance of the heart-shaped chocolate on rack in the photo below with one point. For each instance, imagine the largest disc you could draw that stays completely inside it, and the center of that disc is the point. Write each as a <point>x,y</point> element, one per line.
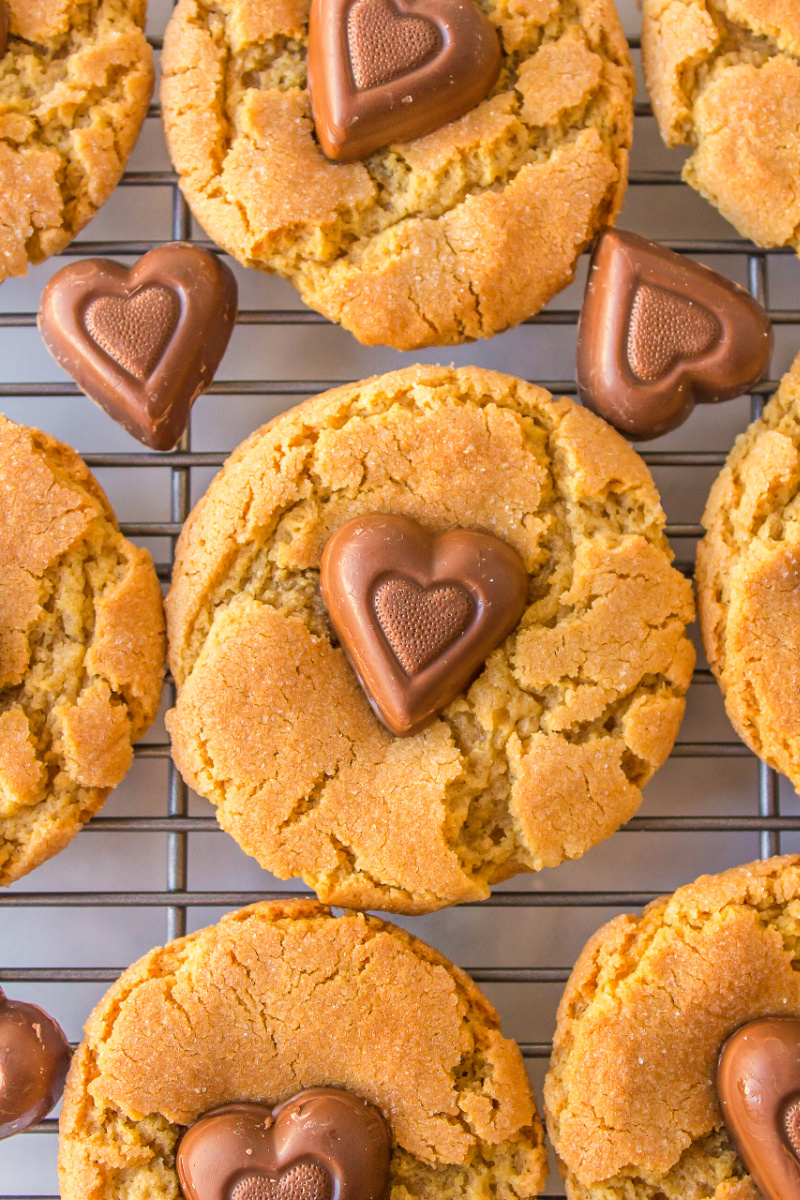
<point>324,1144</point>
<point>659,333</point>
<point>416,613</point>
<point>383,71</point>
<point>34,1060</point>
<point>144,343</point>
<point>758,1082</point>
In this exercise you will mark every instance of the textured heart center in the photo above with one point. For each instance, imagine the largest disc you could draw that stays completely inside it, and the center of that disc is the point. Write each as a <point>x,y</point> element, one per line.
<point>134,331</point>
<point>419,623</point>
<point>791,1125</point>
<point>383,43</point>
<point>665,328</point>
<point>306,1181</point>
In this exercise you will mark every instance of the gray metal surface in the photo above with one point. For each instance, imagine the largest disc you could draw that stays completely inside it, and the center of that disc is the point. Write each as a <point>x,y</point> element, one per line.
<point>154,863</point>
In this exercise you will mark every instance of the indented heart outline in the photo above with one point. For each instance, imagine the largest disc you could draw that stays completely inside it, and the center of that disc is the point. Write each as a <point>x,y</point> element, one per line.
<point>357,9</point>
<point>351,124</point>
<point>198,278</point>
<point>325,1126</point>
<point>776,1169</point>
<point>400,652</point>
<point>94,309</point>
<point>240,1190</point>
<point>646,294</point>
<point>497,584</point>
<point>621,262</point>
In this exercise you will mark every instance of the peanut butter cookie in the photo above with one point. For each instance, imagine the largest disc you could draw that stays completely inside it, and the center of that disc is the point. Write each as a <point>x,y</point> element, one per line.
<point>543,756</point>
<point>724,77</point>
<point>630,1097</point>
<point>81,647</point>
<point>456,235</point>
<point>283,997</point>
<point>748,581</point>
<point>75,82</point>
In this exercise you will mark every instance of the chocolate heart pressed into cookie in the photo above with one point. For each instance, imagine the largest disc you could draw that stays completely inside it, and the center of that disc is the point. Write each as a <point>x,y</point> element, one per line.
<point>383,71</point>
<point>659,333</point>
<point>144,343</point>
<point>758,1082</point>
<point>323,1144</point>
<point>417,614</point>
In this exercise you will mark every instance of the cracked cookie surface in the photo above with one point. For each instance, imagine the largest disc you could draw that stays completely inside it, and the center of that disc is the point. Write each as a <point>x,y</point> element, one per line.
<point>454,236</point>
<point>75,84</point>
<point>630,1097</point>
<point>547,751</point>
<point>724,77</point>
<point>281,997</point>
<point>748,581</point>
<point>81,647</point>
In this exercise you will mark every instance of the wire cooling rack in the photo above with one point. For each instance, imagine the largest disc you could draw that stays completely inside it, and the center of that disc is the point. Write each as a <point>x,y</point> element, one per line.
<point>154,865</point>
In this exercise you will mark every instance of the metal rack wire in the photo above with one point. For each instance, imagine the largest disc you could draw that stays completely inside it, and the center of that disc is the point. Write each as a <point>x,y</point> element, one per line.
<point>176,823</point>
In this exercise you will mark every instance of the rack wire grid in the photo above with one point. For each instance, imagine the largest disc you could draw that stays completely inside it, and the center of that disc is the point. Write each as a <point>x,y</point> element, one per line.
<point>154,864</point>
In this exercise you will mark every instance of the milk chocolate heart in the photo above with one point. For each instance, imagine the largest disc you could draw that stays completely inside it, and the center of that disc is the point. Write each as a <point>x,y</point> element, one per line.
<point>659,334</point>
<point>34,1059</point>
<point>383,71</point>
<point>758,1082</point>
<point>418,614</point>
<point>144,343</point>
<point>324,1144</point>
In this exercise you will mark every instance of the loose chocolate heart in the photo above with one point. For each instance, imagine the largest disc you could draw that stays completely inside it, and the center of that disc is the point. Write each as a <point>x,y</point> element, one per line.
<point>659,334</point>
<point>383,71</point>
<point>324,1144</point>
<point>34,1059</point>
<point>144,343</point>
<point>758,1082</point>
<point>418,614</point>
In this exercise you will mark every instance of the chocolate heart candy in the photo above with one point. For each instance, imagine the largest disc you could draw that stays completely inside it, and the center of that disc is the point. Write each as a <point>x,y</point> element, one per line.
<point>142,343</point>
<point>659,334</point>
<point>418,614</point>
<point>758,1081</point>
<point>383,71</point>
<point>324,1144</point>
<point>34,1059</point>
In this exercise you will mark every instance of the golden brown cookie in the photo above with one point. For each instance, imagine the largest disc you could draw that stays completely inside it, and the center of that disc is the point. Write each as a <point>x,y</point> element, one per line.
<point>630,1096</point>
<point>748,581</point>
<point>454,236</point>
<point>281,997</point>
<point>75,83</point>
<point>547,751</point>
<point>724,77</point>
<point>81,647</point>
